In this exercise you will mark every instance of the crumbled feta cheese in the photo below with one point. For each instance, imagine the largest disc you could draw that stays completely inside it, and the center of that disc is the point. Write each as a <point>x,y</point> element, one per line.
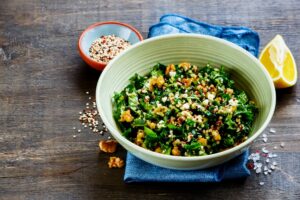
<point>233,102</point>
<point>161,124</point>
<point>185,106</point>
<point>164,99</point>
<point>211,96</point>
<point>205,102</point>
<point>172,73</point>
<point>184,95</point>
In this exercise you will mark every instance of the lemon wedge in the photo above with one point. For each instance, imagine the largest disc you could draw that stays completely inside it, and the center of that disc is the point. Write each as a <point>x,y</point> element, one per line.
<point>280,63</point>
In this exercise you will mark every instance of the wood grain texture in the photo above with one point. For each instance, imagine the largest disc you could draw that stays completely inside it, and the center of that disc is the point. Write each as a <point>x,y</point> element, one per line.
<point>42,88</point>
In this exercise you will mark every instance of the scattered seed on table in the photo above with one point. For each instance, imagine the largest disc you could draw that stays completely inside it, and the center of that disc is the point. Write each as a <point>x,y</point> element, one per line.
<point>261,183</point>
<point>267,160</point>
<point>74,136</point>
<point>74,128</point>
<point>109,137</point>
<point>79,130</point>
<point>275,147</point>
<point>90,98</point>
<point>282,144</point>
<point>80,113</point>
<point>264,135</point>
<point>87,92</point>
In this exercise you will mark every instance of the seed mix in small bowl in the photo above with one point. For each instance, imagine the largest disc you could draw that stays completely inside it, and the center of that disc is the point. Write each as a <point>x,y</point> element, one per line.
<point>107,47</point>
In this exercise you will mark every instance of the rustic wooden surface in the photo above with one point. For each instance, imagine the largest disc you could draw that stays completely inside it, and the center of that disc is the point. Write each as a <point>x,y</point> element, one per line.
<point>42,88</point>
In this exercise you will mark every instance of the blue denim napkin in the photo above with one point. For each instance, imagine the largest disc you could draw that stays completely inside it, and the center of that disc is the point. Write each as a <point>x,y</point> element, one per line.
<point>139,171</point>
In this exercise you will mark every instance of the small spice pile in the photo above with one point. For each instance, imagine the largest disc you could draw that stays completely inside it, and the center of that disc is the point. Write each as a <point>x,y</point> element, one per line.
<point>89,118</point>
<point>107,47</point>
<point>263,161</point>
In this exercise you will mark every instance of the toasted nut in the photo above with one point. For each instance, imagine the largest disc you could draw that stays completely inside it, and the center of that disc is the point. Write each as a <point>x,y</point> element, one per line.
<point>115,162</point>
<point>185,65</point>
<point>126,116</point>
<point>170,68</point>
<point>187,82</point>
<point>108,146</point>
<point>175,151</point>
<point>140,137</point>
<point>158,150</point>
<point>202,141</point>
<point>216,135</point>
<point>151,125</point>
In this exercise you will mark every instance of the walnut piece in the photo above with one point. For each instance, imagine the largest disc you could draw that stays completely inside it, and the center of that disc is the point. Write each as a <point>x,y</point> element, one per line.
<point>108,146</point>
<point>115,162</point>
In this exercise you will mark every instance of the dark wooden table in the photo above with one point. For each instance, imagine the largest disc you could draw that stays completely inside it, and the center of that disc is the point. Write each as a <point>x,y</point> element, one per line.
<point>42,88</point>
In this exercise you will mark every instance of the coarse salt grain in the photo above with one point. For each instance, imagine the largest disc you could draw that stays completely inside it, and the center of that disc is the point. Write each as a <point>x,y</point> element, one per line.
<point>265,140</point>
<point>261,183</point>
<point>272,130</point>
<point>264,150</point>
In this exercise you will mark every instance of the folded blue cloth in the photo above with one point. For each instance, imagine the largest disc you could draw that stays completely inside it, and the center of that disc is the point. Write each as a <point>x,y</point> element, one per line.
<point>172,23</point>
<point>139,171</point>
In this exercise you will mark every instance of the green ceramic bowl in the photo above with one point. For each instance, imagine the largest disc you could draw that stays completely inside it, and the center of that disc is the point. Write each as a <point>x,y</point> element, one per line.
<point>245,69</point>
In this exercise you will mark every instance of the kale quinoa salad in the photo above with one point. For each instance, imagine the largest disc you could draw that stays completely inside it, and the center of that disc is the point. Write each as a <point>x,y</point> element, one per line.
<point>184,110</point>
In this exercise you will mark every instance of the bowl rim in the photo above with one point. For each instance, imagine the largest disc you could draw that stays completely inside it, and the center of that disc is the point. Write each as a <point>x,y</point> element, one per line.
<point>117,134</point>
<point>92,62</point>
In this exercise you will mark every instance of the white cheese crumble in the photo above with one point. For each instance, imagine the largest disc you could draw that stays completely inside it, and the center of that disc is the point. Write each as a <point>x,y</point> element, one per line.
<point>185,106</point>
<point>205,102</point>
<point>172,73</point>
<point>233,102</point>
<point>211,96</point>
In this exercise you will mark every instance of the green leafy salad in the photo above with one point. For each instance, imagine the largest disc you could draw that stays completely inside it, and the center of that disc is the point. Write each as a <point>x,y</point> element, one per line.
<point>184,110</point>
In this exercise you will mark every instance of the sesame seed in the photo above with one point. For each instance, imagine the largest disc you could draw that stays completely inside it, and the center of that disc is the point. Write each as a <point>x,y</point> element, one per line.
<point>90,98</point>
<point>87,92</point>
<point>282,144</point>
<point>74,127</point>
<point>79,130</point>
<point>275,147</point>
<point>109,137</point>
<point>74,136</point>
